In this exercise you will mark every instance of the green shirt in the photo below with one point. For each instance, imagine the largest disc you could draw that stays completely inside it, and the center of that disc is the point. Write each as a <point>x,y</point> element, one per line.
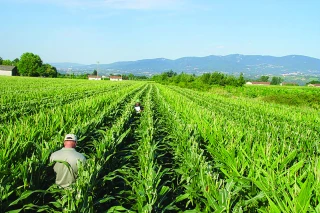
<point>65,174</point>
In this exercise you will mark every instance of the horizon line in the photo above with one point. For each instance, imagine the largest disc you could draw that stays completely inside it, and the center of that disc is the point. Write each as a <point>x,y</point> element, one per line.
<point>180,58</point>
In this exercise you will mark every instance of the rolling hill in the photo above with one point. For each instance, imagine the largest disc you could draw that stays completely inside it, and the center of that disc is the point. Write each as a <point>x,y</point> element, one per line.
<point>231,64</point>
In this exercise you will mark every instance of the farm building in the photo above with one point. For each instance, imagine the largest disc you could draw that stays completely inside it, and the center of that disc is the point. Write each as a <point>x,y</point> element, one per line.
<point>94,77</point>
<point>115,78</point>
<point>258,83</point>
<point>314,85</point>
<point>8,70</point>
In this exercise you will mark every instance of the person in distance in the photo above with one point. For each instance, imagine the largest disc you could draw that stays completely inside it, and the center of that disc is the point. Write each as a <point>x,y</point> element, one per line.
<point>138,106</point>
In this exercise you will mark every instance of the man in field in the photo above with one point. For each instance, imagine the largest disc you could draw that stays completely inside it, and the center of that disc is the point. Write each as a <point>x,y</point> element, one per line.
<point>67,161</point>
<point>138,106</point>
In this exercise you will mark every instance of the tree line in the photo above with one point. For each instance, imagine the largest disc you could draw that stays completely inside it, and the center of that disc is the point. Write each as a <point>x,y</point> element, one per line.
<point>274,80</point>
<point>31,64</point>
<point>278,80</point>
<point>203,82</point>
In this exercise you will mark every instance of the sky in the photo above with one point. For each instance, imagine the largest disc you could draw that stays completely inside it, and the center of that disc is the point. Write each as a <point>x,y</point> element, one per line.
<point>106,31</point>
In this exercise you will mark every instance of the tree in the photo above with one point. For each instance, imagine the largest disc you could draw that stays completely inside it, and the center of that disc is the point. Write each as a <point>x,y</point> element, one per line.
<point>171,73</point>
<point>141,77</point>
<point>1,61</point>
<point>205,78</point>
<point>186,78</point>
<point>7,62</point>
<point>15,62</point>
<point>313,82</point>
<point>276,80</point>
<point>47,70</point>
<point>241,80</point>
<point>264,78</point>
<point>217,78</point>
<point>95,72</point>
<point>29,64</point>
<point>131,76</point>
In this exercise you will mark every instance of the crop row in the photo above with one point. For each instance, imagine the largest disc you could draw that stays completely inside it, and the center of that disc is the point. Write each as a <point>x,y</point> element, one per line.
<point>187,151</point>
<point>28,143</point>
<point>271,162</point>
<point>12,110</point>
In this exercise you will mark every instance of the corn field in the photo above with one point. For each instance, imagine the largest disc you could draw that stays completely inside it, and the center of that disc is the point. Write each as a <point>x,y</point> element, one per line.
<point>188,151</point>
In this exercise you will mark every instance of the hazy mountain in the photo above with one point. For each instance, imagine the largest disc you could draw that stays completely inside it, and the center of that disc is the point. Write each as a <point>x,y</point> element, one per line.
<point>66,65</point>
<point>232,64</point>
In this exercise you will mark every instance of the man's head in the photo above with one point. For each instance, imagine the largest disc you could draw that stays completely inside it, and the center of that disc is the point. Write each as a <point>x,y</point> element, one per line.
<point>70,141</point>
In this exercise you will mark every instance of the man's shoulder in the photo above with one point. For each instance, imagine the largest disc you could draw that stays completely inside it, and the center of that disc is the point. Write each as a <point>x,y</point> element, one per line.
<point>62,155</point>
<point>58,151</point>
<point>64,151</point>
<point>79,155</point>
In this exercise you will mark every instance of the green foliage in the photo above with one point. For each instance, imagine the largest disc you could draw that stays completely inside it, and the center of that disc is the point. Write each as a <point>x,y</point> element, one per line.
<point>131,76</point>
<point>15,62</point>
<point>30,64</point>
<point>295,96</point>
<point>73,76</point>
<point>171,73</point>
<point>203,82</point>
<point>263,78</point>
<point>313,82</point>
<point>134,77</point>
<point>46,70</point>
<point>276,80</point>
<point>294,99</point>
<point>241,80</point>
<point>95,72</point>
<point>188,151</point>
<point>7,62</point>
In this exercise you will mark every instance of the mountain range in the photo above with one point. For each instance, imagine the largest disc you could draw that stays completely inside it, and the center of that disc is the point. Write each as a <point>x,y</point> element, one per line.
<point>250,65</point>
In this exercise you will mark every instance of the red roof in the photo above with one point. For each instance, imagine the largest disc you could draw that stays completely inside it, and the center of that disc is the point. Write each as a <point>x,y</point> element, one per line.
<point>115,77</point>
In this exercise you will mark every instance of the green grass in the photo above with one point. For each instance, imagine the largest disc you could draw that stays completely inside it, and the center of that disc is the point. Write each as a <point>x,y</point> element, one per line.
<point>301,96</point>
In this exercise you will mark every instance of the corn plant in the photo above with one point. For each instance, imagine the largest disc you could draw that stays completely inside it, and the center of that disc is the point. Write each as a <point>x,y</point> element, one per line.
<point>188,151</point>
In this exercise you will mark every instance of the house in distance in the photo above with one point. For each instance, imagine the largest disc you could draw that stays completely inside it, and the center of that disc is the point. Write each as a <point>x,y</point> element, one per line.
<point>8,70</point>
<point>314,85</point>
<point>115,78</point>
<point>94,77</point>
<point>258,83</point>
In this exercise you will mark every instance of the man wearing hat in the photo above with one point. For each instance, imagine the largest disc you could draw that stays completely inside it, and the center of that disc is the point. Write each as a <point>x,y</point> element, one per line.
<point>67,161</point>
<point>138,106</point>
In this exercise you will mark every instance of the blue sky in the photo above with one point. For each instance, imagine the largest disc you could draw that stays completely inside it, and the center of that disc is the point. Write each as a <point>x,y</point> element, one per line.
<point>87,31</point>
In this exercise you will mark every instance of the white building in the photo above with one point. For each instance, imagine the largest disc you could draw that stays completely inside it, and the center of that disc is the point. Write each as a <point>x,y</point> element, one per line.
<point>94,77</point>
<point>8,70</point>
<point>115,78</point>
<point>258,83</point>
<point>313,85</point>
